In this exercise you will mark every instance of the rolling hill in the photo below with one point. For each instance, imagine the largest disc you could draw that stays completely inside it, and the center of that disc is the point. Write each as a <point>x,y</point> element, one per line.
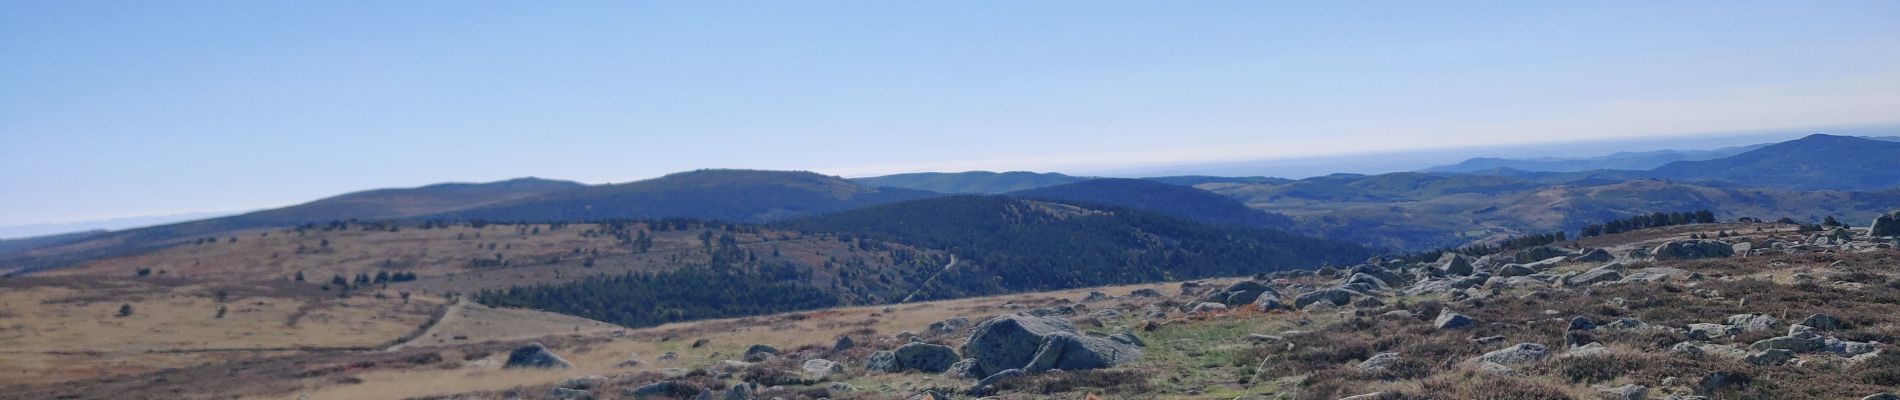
<point>366,205</point>
<point>1625,160</point>
<point>983,182</point>
<point>1040,245</point>
<point>1170,199</point>
<point>1809,163</point>
<point>713,194</point>
<point>1413,211</point>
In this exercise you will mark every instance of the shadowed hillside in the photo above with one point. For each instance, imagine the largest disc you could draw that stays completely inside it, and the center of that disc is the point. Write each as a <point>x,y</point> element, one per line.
<point>365,205</point>
<point>970,182</point>
<point>1813,162</point>
<point>727,195</point>
<point>1038,245</point>
<point>1179,201</point>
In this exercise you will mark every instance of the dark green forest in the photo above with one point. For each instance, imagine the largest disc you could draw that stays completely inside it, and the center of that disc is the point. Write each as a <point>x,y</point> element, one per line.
<point>1174,200</point>
<point>733,283</point>
<point>1018,245</point>
<point>1003,244</point>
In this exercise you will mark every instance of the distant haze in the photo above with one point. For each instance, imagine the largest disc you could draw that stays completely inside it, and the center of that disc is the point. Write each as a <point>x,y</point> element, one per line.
<point>31,230</point>
<point>1397,161</point>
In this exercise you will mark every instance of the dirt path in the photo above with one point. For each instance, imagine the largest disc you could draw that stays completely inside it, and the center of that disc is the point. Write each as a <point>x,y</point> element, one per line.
<point>454,310</point>
<point>933,278</point>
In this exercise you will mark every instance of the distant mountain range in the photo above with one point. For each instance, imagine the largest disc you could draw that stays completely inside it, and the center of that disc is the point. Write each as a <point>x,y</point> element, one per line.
<point>1618,161</point>
<point>1810,177</point>
<point>1810,163</point>
<point>714,194</point>
<point>1813,162</point>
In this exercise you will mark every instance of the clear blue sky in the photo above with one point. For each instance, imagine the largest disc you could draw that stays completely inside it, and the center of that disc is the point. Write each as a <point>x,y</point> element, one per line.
<point>127,108</point>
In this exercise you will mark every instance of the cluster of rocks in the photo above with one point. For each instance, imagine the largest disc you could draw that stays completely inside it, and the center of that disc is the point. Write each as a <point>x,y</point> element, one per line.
<point>1804,338</point>
<point>1038,338</point>
<point>1024,344</point>
<point>1028,342</point>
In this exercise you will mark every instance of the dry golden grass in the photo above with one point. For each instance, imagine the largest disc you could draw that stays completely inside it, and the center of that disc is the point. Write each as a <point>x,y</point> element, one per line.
<point>59,331</point>
<point>467,322</point>
<point>726,338</point>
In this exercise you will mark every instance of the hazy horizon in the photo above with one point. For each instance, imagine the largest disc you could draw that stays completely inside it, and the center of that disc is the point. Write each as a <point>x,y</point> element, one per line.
<point>137,109</point>
<point>1369,163</point>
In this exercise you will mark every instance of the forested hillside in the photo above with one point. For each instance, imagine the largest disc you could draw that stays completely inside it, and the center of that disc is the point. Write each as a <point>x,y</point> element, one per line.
<point>1165,198</point>
<point>1017,245</point>
<point>984,182</point>
<point>725,195</point>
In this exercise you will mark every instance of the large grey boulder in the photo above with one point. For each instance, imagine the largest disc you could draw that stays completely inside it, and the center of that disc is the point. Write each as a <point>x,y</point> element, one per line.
<point>1823,322</point>
<point>948,325</point>
<point>1850,349</point>
<point>1336,296</point>
<point>760,352</point>
<point>821,369</point>
<point>882,361</point>
<point>1712,331</point>
<point>1511,270</point>
<point>1454,264</point>
<point>1770,357</point>
<point>1379,362</point>
<point>534,355</point>
<point>1693,249</point>
<point>843,343</point>
<point>1606,273</point>
<point>1368,282</point>
<point>1022,342</point>
<point>1593,255</point>
<point>1239,293</point>
<point>1541,253</point>
<point>1068,352</point>
<point>1440,286</point>
<point>1800,343</point>
<point>1755,322</point>
<point>932,358</point>
<point>1452,320</point>
<point>1522,353</point>
<point>1886,224</point>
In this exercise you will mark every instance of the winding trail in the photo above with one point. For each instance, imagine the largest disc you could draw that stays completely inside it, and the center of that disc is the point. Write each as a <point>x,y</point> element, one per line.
<point>452,311</point>
<point>933,278</point>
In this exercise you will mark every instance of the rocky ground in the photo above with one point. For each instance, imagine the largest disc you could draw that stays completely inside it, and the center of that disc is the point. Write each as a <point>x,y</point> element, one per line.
<point>1718,311</point>
<point>1753,311</point>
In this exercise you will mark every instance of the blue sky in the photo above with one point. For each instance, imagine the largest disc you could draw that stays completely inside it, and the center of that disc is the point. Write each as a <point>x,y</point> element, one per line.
<point>117,108</point>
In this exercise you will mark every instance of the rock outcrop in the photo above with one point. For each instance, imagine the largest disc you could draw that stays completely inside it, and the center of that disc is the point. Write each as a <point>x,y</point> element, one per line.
<point>1885,225</point>
<point>1693,249</point>
<point>534,355</point>
<point>1037,344</point>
